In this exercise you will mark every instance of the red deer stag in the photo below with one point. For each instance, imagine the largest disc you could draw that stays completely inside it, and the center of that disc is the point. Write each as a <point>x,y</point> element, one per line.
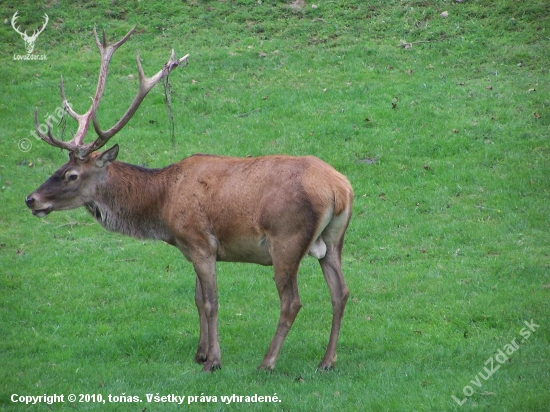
<point>269,210</point>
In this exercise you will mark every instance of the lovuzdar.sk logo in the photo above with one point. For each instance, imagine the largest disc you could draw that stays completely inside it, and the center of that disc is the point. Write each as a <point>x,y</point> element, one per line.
<point>29,40</point>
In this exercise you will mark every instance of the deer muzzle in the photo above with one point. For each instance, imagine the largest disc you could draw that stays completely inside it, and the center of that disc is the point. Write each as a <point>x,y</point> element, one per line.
<point>38,208</point>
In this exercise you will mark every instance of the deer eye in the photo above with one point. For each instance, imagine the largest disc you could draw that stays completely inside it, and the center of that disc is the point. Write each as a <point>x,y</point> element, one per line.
<point>71,177</point>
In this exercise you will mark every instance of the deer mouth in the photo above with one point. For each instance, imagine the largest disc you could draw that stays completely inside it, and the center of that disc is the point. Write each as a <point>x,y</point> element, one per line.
<point>41,212</point>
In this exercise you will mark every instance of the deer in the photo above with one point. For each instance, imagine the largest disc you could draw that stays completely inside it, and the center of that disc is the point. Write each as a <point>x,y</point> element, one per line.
<point>269,210</point>
<point>29,40</point>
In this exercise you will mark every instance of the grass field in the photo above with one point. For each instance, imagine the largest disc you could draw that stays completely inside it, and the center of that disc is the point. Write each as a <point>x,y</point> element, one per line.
<point>442,125</point>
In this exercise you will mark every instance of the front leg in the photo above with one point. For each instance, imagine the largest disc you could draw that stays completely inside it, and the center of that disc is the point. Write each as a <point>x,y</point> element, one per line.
<point>208,312</point>
<point>200,357</point>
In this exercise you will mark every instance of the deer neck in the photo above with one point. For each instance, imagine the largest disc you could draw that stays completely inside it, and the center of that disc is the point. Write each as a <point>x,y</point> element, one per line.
<point>131,200</point>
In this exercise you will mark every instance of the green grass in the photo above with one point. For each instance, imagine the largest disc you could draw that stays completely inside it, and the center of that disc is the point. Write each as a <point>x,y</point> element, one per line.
<point>447,253</point>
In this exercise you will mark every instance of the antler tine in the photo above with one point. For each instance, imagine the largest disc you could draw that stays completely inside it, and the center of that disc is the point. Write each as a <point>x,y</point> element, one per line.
<point>104,37</point>
<point>71,145</point>
<point>49,138</point>
<point>97,42</point>
<point>121,41</point>
<point>145,85</point>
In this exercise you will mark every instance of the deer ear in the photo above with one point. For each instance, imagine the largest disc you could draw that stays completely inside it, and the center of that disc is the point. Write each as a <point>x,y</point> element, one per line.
<point>107,157</point>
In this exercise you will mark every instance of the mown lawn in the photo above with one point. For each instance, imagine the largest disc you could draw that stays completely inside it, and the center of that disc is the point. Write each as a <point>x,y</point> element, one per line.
<point>442,125</point>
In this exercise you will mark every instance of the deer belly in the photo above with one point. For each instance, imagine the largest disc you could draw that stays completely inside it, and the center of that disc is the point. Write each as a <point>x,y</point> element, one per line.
<point>248,250</point>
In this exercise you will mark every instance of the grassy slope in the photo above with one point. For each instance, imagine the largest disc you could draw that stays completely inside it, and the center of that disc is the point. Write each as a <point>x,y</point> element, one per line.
<point>447,254</point>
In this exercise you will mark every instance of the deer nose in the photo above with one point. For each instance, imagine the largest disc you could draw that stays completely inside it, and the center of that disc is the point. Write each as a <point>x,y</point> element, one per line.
<point>29,201</point>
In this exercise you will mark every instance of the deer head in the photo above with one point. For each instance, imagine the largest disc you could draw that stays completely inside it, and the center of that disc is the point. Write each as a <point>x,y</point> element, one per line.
<point>73,185</point>
<point>70,186</point>
<point>29,40</point>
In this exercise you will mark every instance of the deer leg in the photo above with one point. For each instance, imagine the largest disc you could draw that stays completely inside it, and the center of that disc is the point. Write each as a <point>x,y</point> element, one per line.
<point>287,286</point>
<point>200,357</point>
<point>331,266</point>
<point>206,276</point>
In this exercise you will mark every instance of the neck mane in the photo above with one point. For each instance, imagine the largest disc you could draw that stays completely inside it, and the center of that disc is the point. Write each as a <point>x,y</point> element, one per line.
<point>131,202</point>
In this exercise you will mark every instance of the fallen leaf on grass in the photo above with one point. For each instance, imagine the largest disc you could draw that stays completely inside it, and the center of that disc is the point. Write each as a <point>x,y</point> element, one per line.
<point>368,160</point>
<point>297,4</point>
<point>405,45</point>
<point>536,115</point>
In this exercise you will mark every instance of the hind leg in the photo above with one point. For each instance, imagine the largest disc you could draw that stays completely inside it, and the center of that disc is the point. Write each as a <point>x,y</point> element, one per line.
<point>331,266</point>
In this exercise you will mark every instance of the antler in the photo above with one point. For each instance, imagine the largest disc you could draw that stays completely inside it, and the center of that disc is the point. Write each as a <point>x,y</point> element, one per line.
<point>76,144</point>
<point>35,33</point>
<point>24,34</point>
<point>15,16</point>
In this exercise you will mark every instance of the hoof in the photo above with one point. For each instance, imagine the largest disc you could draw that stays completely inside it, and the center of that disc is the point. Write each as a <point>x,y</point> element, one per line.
<point>200,358</point>
<point>325,368</point>
<point>267,365</point>
<point>211,367</point>
<point>327,363</point>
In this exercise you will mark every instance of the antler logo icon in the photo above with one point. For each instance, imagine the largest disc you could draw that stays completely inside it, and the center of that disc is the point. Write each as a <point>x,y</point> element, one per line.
<point>29,40</point>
